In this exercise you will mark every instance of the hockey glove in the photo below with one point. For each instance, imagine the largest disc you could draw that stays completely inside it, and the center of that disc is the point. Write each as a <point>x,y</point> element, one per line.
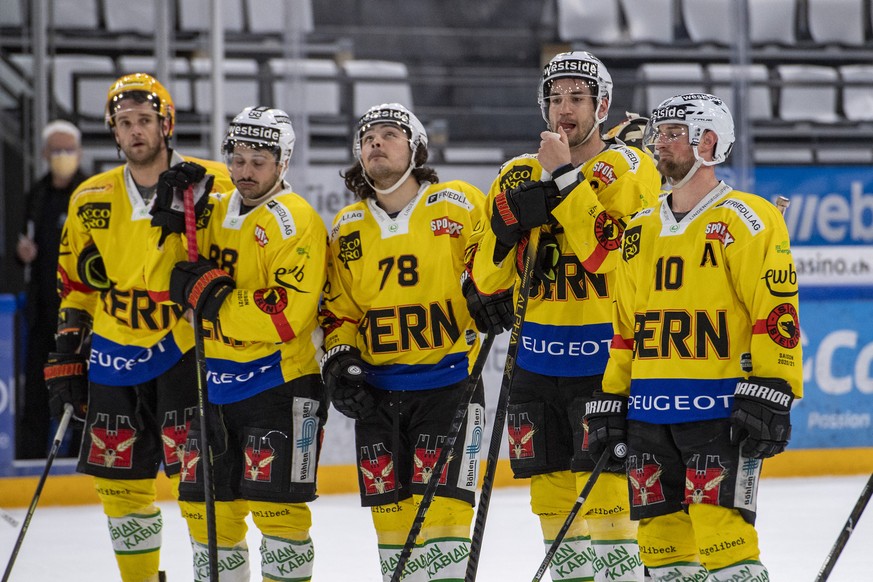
<point>492,314</point>
<point>91,269</point>
<point>606,418</point>
<point>522,208</point>
<point>761,416</point>
<point>342,370</point>
<point>168,211</point>
<point>66,378</point>
<point>200,286</point>
<point>545,264</point>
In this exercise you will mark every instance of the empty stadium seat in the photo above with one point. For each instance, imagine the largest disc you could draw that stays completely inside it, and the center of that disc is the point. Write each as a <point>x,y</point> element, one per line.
<point>836,21</point>
<point>375,82</point>
<point>321,78</point>
<point>660,81</point>
<point>194,15</point>
<point>772,21</point>
<point>126,17</point>
<point>858,99</point>
<point>81,83</point>
<point>649,20</point>
<point>268,16</point>
<point>808,93</point>
<point>241,85</point>
<point>709,21</point>
<point>178,84</point>
<point>759,101</point>
<point>594,21</point>
<point>77,14</point>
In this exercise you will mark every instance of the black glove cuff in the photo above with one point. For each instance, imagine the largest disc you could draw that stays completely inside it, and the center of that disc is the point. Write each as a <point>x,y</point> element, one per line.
<point>774,393</point>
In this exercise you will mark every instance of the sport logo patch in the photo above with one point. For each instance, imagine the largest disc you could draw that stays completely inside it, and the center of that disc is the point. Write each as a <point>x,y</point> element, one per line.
<point>173,434</point>
<point>603,172</point>
<point>350,248</point>
<point>425,458</point>
<point>719,231</point>
<point>521,432</point>
<point>783,327</point>
<point>703,483</point>
<point>271,300</point>
<point>259,456</point>
<point>515,177</point>
<point>446,225</point>
<point>261,236</point>
<point>607,231</point>
<point>644,475</point>
<point>112,446</point>
<point>95,215</point>
<point>631,246</point>
<point>377,470</point>
<point>190,460</point>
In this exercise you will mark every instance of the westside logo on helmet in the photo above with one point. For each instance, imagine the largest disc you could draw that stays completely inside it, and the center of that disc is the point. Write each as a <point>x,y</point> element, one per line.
<point>254,131</point>
<point>571,66</point>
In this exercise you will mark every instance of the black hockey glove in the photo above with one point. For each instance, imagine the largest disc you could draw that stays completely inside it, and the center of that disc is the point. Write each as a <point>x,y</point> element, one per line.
<point>66,377</point>
<point>168,211</point>
<point>66,370</point>
<point>492,314</point>
<point>200,286</point>
<point>91,269</point>
<point>545,264</point>
<point>522,208</point>
<point>606,418</point>
<point>342,370</point>
<point>761,416</point>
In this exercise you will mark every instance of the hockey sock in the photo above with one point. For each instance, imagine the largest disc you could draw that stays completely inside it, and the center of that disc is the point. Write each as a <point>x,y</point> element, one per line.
<point>287,552</point>
<point>445,538</point>
<point>230,530</point>
<point>134,526</point>
<point>392,522</point>
<point>552,496</point>
<point>724,538</point>
<point>667,545</point>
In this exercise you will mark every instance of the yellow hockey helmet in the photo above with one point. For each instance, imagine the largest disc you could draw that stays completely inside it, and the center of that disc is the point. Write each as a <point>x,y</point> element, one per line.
<point>142,88</point>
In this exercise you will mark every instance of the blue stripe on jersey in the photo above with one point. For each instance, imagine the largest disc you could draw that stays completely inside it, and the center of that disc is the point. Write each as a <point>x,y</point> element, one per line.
<point>115,364</point>
<point>231,381</point>
<point>675,400</point>
<point>450,370</point>
<point>562,350</point>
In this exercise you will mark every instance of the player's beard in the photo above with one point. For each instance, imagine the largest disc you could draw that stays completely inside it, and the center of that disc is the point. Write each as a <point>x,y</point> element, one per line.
<point>578,137</point>
<point>674,169</point>
<point>145,156</point>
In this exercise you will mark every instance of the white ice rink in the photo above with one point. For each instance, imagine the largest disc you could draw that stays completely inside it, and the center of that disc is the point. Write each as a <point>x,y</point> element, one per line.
<point>798,521</point>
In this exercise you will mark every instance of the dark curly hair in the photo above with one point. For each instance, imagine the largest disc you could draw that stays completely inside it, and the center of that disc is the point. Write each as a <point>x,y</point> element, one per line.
<point>355,182</point>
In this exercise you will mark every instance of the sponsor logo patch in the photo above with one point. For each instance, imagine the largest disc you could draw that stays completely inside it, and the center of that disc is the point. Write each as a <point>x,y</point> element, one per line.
<point>95,215</point>
<point>272,300</point>
<point>783,326</point>
<point>515,177</point>
<point>719,231</point>
<point>261,236</point>
<point>453,196</point>
<point>632,237</point>
<point>446,225</point>
<point>603,172</point>
<point>607,231</point>
<point>350,248</point>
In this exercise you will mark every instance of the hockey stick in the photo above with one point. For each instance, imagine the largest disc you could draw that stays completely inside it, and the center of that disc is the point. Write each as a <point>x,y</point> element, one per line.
<point>502,403</point>
<point>445,452</point>
<point>831,559</point>
<point>56,445</point>
<point>586,491</point>
<point>202,398</point>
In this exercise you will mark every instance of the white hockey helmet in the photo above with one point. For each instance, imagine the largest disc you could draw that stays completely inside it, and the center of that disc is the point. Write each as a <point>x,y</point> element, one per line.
<point>581,65</point>
<point>261,127</point>
<point>699,112</point>
<point>391,113</point>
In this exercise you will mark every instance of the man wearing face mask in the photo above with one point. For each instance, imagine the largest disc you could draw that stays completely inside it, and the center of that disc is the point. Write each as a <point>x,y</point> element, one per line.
<point>38,249</point>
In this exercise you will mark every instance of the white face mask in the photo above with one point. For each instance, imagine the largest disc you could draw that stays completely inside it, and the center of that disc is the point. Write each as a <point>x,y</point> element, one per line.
<point>64,165</point>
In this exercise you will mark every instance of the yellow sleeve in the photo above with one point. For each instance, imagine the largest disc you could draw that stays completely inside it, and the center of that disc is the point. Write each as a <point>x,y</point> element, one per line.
<point>75,237</point>
<point>339,314</point>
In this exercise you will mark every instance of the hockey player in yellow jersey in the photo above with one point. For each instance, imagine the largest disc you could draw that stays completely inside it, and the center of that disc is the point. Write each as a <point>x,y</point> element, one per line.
<point>256,288</point>
<point>581,190</point>
<point>706,359</point>
<point>400,339</point>
<point>125,363</point>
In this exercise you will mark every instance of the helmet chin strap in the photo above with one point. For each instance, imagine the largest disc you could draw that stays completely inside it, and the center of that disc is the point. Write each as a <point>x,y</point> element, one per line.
<point>269,194</point>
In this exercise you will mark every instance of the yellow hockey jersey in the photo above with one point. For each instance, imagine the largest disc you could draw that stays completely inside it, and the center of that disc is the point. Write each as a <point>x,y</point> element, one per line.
<point>276,254</point>
<point>702,303</point>
<point>134,339</point>
<point>567,326</point>
<point>394,290</point>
